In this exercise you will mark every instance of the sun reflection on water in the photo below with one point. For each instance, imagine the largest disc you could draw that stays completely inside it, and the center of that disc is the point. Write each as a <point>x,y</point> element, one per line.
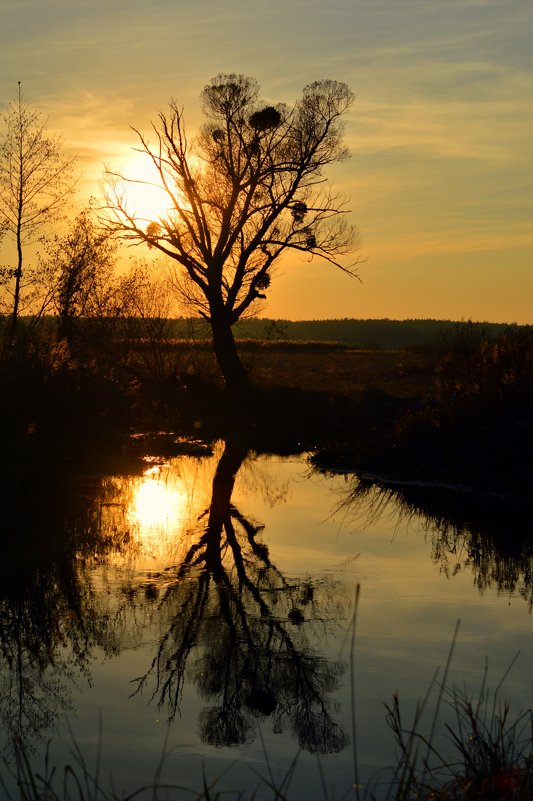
<point>156,503</point>
<point>157,508</point>
<point>150,518</point>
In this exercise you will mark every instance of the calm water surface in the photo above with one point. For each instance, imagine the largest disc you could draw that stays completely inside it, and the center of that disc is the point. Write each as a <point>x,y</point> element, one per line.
<point>202,607</point>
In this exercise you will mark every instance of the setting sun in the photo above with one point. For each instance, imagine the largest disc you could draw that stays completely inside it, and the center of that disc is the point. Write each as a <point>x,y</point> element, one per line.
<point>146,200</point>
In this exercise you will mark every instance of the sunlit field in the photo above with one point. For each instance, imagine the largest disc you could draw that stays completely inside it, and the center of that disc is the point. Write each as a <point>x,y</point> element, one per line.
<point>347,372</point>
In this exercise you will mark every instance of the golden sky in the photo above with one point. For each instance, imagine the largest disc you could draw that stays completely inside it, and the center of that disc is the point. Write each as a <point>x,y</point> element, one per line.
<point>441,174</point>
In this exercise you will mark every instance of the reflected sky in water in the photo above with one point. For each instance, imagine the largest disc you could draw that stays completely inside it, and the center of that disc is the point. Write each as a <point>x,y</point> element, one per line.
<point>208,604</point>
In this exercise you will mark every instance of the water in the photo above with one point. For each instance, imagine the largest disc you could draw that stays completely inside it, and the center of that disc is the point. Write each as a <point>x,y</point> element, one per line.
<point>196,614</point>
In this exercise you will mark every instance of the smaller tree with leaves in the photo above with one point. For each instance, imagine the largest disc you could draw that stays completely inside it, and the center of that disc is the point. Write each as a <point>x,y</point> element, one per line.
<point>35,184</point>
<point>77,273</point>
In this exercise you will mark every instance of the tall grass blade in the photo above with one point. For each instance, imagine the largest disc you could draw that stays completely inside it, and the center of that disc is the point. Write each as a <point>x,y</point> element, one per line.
<point>439,700</point>
<point>352,694</point>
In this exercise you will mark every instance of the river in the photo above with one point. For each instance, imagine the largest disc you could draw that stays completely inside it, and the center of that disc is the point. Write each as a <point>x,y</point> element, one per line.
<point>193,618</point>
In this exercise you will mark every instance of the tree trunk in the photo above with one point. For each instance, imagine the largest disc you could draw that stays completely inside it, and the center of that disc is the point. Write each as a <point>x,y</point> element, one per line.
<point>228,360</point>
<point>12,332</point>
<point>224,480</point>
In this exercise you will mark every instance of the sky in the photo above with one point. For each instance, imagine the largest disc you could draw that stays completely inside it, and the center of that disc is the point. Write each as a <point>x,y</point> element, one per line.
<point>440,179</point>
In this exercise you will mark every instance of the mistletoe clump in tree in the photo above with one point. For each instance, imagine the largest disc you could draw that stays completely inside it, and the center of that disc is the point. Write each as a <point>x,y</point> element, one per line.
<point>250,187</point>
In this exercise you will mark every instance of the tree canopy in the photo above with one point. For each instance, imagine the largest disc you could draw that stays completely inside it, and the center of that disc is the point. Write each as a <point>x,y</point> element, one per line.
<point>248,188</point>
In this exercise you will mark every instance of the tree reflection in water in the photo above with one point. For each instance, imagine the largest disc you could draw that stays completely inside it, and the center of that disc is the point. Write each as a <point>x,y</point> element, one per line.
<point>492,537</point>
<point>242,624</point>
<point>48,624</point>
<point>228,619</point>
<point>228,615</point>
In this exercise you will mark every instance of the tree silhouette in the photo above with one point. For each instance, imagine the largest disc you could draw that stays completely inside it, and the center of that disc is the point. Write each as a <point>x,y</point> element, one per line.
<point>35,183</point>
<point>249,188</point>
<point>77,272</point>
<point>49,621</point>
<point>245,623</point>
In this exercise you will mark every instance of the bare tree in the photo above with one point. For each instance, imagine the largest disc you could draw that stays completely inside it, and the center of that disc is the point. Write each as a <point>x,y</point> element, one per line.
<point>35,183</point>
<point>246,190</point>
<point>152,306</point>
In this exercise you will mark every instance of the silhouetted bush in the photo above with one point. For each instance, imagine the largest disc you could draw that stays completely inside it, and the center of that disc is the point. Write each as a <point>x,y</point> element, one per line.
<point>493,369</point>
<point>479,420</point>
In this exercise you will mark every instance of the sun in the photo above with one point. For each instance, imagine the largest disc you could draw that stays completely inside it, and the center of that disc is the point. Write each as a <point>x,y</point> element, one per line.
<point>146,199</point>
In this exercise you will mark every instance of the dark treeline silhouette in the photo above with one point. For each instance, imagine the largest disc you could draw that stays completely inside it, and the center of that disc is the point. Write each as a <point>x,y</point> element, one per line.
<point>369,334</point>
<point>361,333</point>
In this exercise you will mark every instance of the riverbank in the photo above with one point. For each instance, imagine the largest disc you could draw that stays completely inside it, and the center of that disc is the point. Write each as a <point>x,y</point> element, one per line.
<point>460,414</point>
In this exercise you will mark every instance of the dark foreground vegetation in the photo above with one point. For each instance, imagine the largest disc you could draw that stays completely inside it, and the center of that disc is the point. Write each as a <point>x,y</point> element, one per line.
<point>456,411</point>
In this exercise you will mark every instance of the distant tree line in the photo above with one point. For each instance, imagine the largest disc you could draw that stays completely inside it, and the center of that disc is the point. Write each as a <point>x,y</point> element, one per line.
<point>371,333</point>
